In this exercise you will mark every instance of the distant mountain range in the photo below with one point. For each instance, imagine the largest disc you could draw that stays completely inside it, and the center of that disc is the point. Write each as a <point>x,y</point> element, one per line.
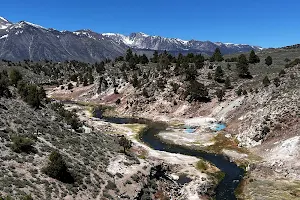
<point>25,40</point>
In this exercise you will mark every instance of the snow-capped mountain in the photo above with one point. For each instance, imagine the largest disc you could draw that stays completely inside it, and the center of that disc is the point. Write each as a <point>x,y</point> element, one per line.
<point>4,23</point>
<point>25,40</point>
<point>144,41</point>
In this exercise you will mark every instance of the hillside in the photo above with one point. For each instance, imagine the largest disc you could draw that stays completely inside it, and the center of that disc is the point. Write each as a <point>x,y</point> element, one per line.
<point>260,115</point>
<point>261,118</point>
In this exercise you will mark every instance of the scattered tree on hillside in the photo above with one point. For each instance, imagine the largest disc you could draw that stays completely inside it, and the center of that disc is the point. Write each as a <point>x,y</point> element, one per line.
<point>15,76</point>
<point>276,82</point>
<point>282,73</point>
<point>154,59</point>
<point>266,81</point>
<point>22,144</point>
<point>197,92</point>
<point>70,86</point>
<point>100,67</point>
<point>125,143</point>
<point>4,83</point>
<point>228,83</point>
<point>217,56</point>
<point>253,58</point>
<point>91,78</point>
<point>269,60</point>
<point>209,76</point>
<point>239,92</point>
<point>129,55</point>
<point>144,60</point>
<point>219,73</point>
<point>135,81</point>
<point>243,67</point>
<point>190,71</point>
<point>57,168</point>
<point>220,94</point>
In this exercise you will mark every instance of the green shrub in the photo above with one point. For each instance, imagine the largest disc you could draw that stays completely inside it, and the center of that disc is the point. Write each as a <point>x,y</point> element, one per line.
<point>22,144</point>
<point>15,76</point>
<point>239,92</point>
<point>69,117</point>
<point>4,91</point>
<point>201,165</point>
<point>31,93</point>
<point>57,168</point>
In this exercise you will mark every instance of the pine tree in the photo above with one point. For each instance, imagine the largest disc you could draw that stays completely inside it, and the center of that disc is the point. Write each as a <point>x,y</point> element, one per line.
<point>155,57</point>
<point>144,60</point>
<point>243,67</point>
<point>253,58</point>
<point>266,81</point>
<point>276,81</point>
<point>220,94</point>
<point>269,60</point>
<point>197,92</point>
<point>219,74</point>
<point>129,55</point>
<point>228,83</point>
<point>217,56</point>
<point>209,76</point>
<point>15,76</point>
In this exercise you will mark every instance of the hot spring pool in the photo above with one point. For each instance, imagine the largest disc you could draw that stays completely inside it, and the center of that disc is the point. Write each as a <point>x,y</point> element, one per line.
<point>218,127</point>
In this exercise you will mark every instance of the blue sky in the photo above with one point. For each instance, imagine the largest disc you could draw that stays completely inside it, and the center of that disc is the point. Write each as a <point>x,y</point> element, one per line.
<point>258,22</point>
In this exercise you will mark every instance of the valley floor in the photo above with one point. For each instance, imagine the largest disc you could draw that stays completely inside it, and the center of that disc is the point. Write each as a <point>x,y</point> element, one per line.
<point>273,168</point>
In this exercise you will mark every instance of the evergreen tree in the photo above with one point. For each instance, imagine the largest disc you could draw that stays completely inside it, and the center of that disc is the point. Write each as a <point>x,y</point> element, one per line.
<point>199,64</point>
<point>129,55</point>
<point>220,94</point>
<point>155,57</point>
<point>253,58</point>
<point>219,74</point>
<point>228,83</point>
<point>190,71</point>
<point>197,92</point>
<point>125,143</point>
<point>177,68</point>
<point>15,76</point>
<point>239,92</point>
<point>266,81</point>
<point>4,91</point>
<point>100,67</point>
<point>132,64</point>
<point>91,78</point>
<point>144,60</point>
<point>217,56</point>
<point>57,168</point>
<point>282,73</point>
<point>180,58</point>
<point>243,67</point>
<point>135,81</point>
<point>276,81</point>
<point>209,76</point>
<point>269,60</point>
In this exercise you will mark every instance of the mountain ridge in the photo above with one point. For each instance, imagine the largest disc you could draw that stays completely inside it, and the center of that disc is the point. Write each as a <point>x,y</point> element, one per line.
<point>26,40</point>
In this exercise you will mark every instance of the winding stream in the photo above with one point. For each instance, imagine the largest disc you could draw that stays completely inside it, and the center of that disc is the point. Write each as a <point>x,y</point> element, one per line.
<point>233,173</point>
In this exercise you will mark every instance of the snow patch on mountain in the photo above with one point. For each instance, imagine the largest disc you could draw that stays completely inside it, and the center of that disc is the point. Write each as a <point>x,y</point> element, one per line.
<point>4,23</point>
<point>4,36</point>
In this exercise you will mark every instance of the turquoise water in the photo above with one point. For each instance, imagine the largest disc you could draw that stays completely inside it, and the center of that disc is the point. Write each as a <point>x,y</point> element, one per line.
<point>189,129</point>
<point>219,127</point>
